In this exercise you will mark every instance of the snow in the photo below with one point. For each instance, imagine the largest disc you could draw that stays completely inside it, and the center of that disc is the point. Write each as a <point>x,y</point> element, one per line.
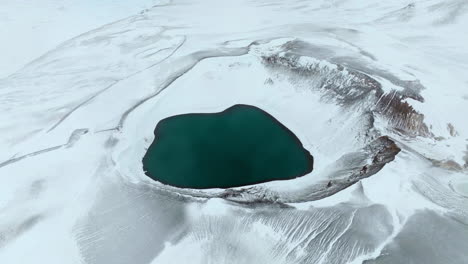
<point>84,83</point>
<point>31,28</point>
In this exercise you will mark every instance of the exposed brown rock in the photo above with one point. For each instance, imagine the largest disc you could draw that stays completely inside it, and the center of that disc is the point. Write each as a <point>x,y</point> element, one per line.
<point>402,115</point>
<point>447,164</point>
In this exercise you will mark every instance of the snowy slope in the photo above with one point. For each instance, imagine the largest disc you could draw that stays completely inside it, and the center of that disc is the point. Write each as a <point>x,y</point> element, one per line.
<point>377,92</point>
<point>31,28</point>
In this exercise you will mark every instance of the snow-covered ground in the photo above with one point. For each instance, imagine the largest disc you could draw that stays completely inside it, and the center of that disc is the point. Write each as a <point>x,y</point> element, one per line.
<point>31,28</point>
<point>376,91</point>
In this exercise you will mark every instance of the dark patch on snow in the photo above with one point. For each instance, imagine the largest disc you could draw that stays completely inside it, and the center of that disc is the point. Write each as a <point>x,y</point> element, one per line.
<point>447,164</point>
<point>452,130</point>
<point>15,230</point>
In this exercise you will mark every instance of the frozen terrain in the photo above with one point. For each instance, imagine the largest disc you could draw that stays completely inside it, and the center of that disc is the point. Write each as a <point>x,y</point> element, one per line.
<point>376,91</point>
<point>31,28</point>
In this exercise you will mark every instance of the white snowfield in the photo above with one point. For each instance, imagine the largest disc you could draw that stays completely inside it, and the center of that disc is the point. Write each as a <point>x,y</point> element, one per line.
<point>376,91</point>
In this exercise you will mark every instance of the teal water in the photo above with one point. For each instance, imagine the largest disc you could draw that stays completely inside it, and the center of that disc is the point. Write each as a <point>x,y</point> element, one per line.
<point>242,145</point>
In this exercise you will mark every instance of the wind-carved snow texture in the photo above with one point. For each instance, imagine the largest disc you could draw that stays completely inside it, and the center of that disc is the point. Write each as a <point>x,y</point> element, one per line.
<point>379,106</point>
<point>75,136</point>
